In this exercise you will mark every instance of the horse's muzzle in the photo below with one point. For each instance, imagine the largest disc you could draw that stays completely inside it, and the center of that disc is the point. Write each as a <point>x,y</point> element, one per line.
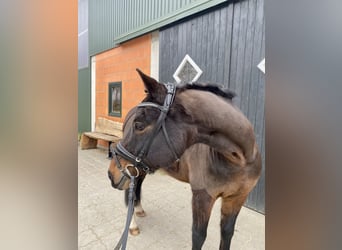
<point>121,172</point>
<point>121,184</point>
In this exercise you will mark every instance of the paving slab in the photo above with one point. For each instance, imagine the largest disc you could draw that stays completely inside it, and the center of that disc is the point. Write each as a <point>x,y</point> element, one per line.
<point>167,203</point>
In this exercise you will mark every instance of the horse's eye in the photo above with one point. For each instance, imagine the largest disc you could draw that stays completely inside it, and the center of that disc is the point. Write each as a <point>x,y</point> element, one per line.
<point>139,126</point>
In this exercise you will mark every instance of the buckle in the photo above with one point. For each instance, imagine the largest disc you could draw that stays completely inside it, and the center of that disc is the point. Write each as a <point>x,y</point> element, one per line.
<point>146,169</point>
<point>129,173</point>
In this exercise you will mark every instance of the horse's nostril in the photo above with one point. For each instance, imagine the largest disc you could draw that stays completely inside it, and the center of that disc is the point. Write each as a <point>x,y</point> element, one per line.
<point>110,176</point>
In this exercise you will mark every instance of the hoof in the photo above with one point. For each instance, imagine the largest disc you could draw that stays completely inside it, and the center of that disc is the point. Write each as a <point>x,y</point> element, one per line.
<point>140,213</point>
<point>134,231</point>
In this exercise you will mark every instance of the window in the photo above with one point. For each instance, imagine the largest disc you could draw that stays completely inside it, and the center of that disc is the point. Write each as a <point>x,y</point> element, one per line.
<point>187,71</point>
<point>114,99</point>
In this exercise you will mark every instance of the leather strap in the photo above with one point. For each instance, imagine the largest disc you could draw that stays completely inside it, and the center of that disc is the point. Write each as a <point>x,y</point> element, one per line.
<point>168,141</point>
<point>123,240</point>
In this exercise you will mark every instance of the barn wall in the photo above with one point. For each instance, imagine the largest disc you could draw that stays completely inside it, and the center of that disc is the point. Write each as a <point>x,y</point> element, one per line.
<point>227,43</point>
<point>119,65</point>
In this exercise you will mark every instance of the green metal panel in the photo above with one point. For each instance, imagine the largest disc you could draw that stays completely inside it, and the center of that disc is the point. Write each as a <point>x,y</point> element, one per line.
<point>165,19</point>
<point>116,21</point>
<point>84,100</point>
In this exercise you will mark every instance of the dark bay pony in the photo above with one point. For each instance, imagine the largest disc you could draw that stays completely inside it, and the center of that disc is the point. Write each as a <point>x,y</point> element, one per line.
<point>202,139</point>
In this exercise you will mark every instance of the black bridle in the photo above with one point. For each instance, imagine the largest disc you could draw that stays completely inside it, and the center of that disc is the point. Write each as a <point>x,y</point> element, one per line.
<point>138,161</point>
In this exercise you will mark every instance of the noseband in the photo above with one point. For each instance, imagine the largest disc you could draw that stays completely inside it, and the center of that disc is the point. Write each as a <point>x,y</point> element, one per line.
<point>138,160</point>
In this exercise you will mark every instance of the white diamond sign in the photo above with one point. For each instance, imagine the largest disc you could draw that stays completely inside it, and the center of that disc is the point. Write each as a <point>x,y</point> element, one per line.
<point>187,71</point>
<point>261,66</point>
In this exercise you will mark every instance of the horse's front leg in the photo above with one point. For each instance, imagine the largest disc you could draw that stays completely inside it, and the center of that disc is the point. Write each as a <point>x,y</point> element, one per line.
<point>230,209</point>
<point>138,210</point>
<point>202,203</point>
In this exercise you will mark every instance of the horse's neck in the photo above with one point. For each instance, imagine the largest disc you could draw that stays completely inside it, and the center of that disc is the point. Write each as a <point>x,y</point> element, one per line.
<point>220,125</point>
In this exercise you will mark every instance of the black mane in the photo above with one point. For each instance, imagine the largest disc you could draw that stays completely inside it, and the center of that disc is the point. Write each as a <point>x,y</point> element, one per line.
<point>213,88</point>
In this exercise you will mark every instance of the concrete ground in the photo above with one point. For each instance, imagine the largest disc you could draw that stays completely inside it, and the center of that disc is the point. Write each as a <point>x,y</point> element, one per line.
<point>167,203</point>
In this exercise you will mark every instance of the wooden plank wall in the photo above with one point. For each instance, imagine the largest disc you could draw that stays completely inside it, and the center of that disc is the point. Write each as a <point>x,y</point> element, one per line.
<point>227,43</point>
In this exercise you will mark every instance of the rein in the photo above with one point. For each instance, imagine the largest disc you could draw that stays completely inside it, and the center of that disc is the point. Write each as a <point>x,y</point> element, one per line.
<point>138,161</point>
<point>123,240</point>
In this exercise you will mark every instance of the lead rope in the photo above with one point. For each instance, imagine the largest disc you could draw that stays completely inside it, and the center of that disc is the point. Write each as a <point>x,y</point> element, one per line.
<point>123,240</point>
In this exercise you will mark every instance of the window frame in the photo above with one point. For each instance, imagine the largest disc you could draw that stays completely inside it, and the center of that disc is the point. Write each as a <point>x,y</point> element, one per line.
<point>112,85</point>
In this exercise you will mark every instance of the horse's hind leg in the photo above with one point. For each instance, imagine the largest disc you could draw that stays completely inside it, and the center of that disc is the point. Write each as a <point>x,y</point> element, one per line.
<point>139,211</point>
<point>229,211</point>
<point>202,203</point>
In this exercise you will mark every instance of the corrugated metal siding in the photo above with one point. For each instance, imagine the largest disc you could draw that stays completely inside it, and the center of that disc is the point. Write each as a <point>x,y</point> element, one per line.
<point>116,21</point>
<point>83,68</point>
<point>227,44</point>
<point>84,100</point>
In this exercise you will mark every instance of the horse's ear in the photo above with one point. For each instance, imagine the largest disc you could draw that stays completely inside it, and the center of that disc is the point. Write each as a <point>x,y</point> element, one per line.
<point>153,87</point>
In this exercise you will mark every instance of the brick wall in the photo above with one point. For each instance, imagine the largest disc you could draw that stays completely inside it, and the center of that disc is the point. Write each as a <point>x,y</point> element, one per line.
<point>118,65</point>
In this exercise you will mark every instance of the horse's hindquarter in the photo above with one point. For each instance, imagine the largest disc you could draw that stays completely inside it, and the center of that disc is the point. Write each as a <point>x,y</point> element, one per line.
<point>209,170</point>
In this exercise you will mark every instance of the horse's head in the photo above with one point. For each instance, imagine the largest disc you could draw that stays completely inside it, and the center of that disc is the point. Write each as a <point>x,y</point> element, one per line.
<point>120,176</point>
<point>153,134</point>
